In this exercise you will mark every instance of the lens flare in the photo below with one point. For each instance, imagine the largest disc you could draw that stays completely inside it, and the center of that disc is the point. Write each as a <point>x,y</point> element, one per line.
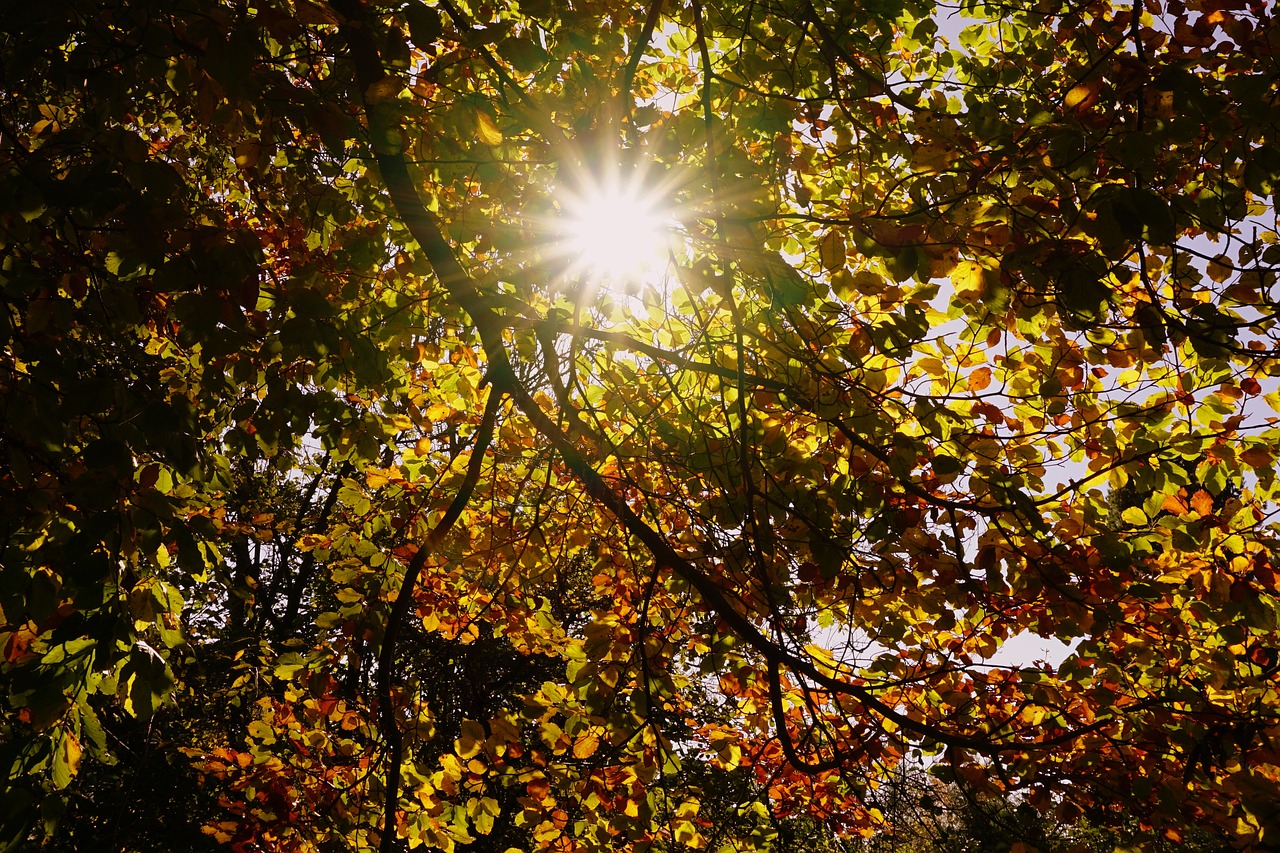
<point>615,232</point>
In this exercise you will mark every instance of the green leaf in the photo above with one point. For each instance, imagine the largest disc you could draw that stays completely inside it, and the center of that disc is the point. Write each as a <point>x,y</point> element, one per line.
<point>1135,516</point>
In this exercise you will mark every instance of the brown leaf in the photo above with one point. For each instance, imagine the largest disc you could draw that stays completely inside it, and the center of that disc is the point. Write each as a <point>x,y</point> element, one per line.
<point>1256,457</point>
<point>385,89</point>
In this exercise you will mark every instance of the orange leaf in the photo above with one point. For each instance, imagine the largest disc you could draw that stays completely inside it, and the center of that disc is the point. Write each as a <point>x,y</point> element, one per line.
<point>1202,502</point>
<point>979,379</point>
<point>539,789</point>
<point>1174,504</point>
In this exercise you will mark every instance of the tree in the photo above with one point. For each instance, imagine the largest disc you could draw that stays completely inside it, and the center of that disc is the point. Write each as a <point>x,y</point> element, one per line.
<point>927,815</point>
<point>344,477</point>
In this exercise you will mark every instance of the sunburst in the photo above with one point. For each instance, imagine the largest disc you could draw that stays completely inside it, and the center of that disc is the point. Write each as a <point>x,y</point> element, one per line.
<point>616,229</point>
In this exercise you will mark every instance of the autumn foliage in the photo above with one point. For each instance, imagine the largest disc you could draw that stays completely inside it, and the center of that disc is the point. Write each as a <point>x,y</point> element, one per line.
<point>342,509</point>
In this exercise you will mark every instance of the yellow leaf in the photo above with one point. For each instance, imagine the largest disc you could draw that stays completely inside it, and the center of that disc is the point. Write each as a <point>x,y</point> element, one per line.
<point>843,285</point>
<point>933,366</point>
<point>966,278</point>
<point>932,158</point>
<point>1134,515</point>
<point>553,736</point>
<point>686,832</point>
<point>586,746</point>
<point>1076,96</point>
<point>727,749</point>
<point>311,541</point>
<point>486,130</point>
<point>71,752</point>
<point>831,251</point>
<point>545,832</point>
<point>470,741</point>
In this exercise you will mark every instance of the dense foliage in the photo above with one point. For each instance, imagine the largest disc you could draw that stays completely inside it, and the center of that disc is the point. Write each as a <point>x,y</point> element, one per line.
<point>341,508</point>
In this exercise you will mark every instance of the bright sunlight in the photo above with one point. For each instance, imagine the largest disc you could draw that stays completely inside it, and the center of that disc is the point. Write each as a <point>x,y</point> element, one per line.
<point>616,232</point>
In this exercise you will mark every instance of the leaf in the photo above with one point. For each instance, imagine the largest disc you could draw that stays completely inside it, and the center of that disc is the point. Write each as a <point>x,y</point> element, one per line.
<point>1083,294</point>
<point>470,741</point>
<point>483,812</point>
<point>968,281</point>
<point>1219,268</point>
<point>383,90</point>
<point>932,366</point>
<point>425,24</point>
<point>66,760</point>
<point>979,379</point>
<point>145,681</point>
<point>1134,515</point>
<point>947,465</point>
<point>1257,457</point>
<point>1082,95</point>
<point>831,250</point>
<point>1202,502</point>
<point>524,54</point>
<point>486,131</point>
<point>585,746</point>
<point>686,832</point>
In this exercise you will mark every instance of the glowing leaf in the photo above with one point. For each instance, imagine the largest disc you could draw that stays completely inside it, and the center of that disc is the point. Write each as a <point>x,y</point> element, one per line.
<point>979,379</point>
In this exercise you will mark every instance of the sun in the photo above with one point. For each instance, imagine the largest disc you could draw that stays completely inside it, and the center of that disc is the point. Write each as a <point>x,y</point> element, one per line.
<point>616,231</point>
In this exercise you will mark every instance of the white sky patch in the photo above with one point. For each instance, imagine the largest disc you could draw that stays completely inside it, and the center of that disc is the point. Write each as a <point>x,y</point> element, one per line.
<point>1029,648</point>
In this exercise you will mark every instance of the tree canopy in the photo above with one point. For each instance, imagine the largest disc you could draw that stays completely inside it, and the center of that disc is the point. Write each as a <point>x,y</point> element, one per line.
<point>361,490</point>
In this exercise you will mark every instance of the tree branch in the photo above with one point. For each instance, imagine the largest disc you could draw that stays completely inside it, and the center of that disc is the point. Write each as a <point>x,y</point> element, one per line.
<point>400,609</point>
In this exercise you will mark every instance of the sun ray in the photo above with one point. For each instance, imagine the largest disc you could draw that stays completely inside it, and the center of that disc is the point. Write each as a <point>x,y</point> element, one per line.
<point>616,230</point>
